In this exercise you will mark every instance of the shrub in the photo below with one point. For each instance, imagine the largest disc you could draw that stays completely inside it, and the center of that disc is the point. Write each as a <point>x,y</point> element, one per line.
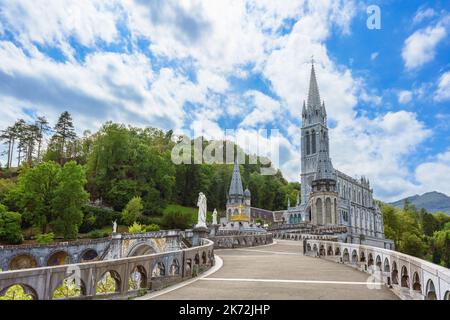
<point>136,228</point>
<point>94,234</point>
<point>45,238</point>
<point>97,218</point>
<point>152,227</point>
<point>10,231</point>
<point>132,211</point>
<point>176,220</point>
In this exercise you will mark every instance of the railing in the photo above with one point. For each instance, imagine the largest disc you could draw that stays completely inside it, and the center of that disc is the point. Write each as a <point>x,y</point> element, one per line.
<point>408,277</point>
<point>241,240</point>
<point>156,271</point>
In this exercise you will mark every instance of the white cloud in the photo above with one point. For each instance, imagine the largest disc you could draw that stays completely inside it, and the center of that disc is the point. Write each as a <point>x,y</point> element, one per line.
<point>443,90</point>
<point>419,48</point>
<point>404,96</point>
<point>423,14</point>
<point>373,56</point>
<point>434,175</point>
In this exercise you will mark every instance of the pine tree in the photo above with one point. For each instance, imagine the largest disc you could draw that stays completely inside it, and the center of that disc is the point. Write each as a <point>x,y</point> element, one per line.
<point>64,133</point>
<point>43,127</point>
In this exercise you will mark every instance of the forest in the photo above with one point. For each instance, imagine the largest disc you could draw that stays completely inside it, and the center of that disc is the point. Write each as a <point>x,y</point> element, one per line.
<point>56,184</point>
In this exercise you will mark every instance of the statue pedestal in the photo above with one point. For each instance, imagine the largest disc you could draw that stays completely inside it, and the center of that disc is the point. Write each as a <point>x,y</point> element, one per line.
<point>198,233</point>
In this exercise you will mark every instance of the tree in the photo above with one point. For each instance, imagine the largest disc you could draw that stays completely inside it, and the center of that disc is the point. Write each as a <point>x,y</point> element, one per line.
<point>69,197</point>
<point>50,195</point>
<point>10,231</point>
<point>8,136</point>
<point>43,128</point>
<point>35,192</point>
<point>132,211</point>
<point>64,134</point>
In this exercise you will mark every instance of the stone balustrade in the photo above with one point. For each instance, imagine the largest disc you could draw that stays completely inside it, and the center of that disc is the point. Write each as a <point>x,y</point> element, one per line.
<point>408,277</point>
<point>239,240</point>
<point>156,270</point>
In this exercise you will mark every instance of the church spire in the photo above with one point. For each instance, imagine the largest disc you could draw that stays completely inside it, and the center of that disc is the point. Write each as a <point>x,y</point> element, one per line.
<point>236,188</point>
<point>313,93</point>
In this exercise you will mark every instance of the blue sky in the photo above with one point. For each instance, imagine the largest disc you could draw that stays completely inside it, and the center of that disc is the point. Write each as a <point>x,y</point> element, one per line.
<point>214,65</point>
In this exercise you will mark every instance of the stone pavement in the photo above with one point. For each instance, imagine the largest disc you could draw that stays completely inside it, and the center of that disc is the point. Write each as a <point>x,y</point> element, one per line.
<point>278,271</point>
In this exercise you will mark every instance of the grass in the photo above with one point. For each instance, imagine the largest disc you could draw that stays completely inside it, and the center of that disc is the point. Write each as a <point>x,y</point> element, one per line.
<point>187,210</point>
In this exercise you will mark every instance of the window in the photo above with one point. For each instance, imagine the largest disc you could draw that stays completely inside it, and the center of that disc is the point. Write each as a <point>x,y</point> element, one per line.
<point>313,141</point>
<point>308,149</point>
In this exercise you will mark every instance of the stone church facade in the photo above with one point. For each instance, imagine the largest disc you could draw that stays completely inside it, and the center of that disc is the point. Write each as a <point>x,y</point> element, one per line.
<point>329,197</point>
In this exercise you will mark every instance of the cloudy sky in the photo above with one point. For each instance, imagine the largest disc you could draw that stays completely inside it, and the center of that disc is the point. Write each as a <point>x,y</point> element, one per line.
<point>244,65</point>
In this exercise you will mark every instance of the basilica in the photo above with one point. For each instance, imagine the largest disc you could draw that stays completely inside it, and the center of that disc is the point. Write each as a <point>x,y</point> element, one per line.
<point>329,197</point>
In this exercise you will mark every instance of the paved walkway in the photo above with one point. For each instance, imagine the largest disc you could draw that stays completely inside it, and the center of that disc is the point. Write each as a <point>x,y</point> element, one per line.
<point>278,271</point>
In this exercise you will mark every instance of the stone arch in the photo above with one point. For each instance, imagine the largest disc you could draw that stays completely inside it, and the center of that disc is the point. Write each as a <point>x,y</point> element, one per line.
<point>174,267</point>
<point>188,267</point>
<point>430,291</point>
<point>308,247</point>
<point>22,261</point>
<point>345,256</point>
<point>68,288</point>
<point>370,260</point>
<point>159,269</point>
<point>197,259</point>
<point>322,250</point>
<point>319,211</point>
<point>405,277</point>
<point>138,278</point>
<point>141,248</point>
<point>204,258</point>
<point>362,256</point>
<point>447,295</point>
<point>9,293</point>
<point>330,251</point>
<point>416,282</point>
<point>89,255</point>
<point>109,282</point>
<point>315,247</point>
<point>394,273</point>
<point>337,251</point>
<point>378,262</point>
<point>354,256</point>
<point>58,258</point>
<point>386,265</point>
<point>328,211</point>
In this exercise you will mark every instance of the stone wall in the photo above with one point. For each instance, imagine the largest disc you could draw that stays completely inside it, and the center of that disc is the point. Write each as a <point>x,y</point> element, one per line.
<point>117,246</point>
<point>239,240</point>
<point>408,277</point>
<point>157,270</point>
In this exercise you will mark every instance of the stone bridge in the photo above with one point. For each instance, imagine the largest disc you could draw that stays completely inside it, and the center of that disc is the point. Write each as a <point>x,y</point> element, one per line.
<point>14,257</point>
<point>155,271</point>
<point>408,277</point>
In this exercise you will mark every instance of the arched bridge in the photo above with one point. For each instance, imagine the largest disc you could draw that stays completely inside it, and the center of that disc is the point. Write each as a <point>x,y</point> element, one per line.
<point>315,269</point>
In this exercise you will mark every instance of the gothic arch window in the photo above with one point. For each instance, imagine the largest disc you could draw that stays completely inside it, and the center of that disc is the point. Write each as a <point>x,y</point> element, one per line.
<point>328,211</point>
<point>308,146</point>
<point>319,211</point>
<point>313,141</point>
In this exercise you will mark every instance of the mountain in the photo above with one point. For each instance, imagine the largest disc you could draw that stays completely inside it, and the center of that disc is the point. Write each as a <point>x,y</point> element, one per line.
<point>430,201</point>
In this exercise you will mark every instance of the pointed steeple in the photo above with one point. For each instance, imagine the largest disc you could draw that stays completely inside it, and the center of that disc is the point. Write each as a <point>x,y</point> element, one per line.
<point>298,199</point>
<point>289,202</point>
<point>304,109</point>
<point>236,188</point>
<point>313,93</point>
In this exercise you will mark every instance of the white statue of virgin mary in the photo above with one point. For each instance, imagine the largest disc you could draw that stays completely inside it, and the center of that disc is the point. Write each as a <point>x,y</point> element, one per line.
<point>201,204</point>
